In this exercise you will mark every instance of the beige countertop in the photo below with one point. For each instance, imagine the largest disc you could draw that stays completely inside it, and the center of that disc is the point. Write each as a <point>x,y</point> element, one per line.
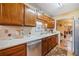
<point>12,42</point>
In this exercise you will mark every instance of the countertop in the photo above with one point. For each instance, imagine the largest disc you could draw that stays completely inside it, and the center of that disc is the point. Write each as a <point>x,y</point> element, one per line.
<point>13,42</point>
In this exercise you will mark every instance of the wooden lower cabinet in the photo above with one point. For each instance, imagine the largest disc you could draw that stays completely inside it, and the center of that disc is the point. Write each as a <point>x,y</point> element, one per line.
<point>19,50</point>
<point>49,43</point>
<point>44,46</point>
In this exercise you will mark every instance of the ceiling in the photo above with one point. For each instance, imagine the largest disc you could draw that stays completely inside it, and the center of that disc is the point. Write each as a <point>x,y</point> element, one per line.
<point>55,9</point>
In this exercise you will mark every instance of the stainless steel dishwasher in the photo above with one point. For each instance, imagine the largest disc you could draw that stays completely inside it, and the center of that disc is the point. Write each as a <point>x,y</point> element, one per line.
<point>34,48</point>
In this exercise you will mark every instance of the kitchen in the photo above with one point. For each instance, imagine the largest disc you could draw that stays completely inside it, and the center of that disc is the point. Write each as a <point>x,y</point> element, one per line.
<point>27,30</point>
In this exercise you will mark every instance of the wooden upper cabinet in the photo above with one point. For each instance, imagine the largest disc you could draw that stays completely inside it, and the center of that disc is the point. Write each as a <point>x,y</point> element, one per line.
<point>47,20</point>
<point>51,24</point>
<point>42,17</point>
<point>12,14</point>
<point>30,17</point>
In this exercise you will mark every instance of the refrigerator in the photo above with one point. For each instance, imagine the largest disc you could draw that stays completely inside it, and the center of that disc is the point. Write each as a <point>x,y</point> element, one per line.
<point>76,36</point>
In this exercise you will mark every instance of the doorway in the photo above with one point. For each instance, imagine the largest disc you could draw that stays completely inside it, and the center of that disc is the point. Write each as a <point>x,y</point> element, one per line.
<point>65,26</point>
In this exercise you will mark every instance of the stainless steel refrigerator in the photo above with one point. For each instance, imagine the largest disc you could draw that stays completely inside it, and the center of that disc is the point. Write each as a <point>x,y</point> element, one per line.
<point>76,36</point>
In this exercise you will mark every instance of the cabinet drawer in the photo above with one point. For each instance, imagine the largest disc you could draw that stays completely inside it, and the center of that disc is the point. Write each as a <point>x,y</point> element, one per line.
<point>12,50</point>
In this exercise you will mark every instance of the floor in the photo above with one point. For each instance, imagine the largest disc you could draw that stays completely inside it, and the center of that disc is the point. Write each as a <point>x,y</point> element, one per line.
<point>57,51</point>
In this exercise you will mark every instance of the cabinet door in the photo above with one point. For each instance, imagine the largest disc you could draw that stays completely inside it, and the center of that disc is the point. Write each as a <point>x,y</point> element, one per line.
<point>12,14</point>
<point>49,21</point>
<point>44,46</point>
<point>54,41</point>
<point>51,24</point>
<point>30,17</point>
<point>49,43</point>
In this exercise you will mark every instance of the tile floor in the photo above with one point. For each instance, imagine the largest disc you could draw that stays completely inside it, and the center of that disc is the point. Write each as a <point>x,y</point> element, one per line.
<point>57,51</point>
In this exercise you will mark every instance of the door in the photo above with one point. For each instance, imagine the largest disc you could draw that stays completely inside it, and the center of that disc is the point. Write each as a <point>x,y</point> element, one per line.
<point>12,14</point>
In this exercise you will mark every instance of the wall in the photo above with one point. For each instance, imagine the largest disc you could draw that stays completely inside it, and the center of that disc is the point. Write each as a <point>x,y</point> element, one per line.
<point>64,24</point>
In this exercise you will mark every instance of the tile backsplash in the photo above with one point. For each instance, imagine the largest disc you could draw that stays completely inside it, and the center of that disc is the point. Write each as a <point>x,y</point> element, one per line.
<point>15,32</point>
<point>7,32</point>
